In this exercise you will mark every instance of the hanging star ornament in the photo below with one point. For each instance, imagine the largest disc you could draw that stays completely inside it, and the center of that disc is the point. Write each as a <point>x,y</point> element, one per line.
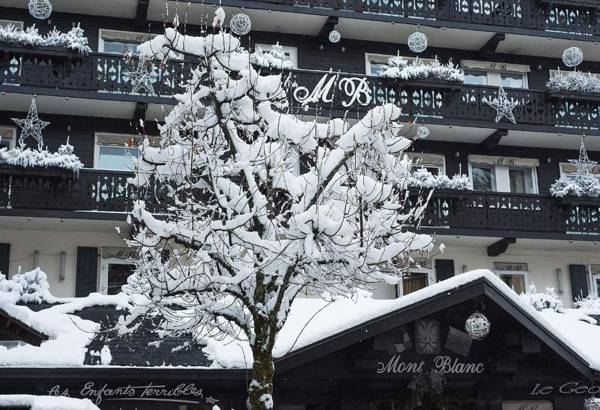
<point>584,165</point>
<point>504,107</point>
<point>142,78</point>
<point>31,126</point>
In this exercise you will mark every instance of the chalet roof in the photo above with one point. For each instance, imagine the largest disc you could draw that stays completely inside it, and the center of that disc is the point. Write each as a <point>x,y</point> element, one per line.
<point>14,325</point>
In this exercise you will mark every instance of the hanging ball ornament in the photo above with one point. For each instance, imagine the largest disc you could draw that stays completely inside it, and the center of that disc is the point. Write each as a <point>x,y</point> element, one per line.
<point>335,36</point>
<point>423,132</point>
<point>478,326</point>
<point>572,56</point>
<point>240,24</point>
<point>417,42</point>
<point>40,9</point>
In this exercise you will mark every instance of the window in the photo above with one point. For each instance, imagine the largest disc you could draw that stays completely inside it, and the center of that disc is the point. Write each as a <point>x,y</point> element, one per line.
<point>503,174</point>
<point>15,23</point>
<point>434,163</point>
<point>415,279</point>
<point>116,266</point>
<point>595,274</point>
<point>495,74</point>
<point>289,51</point>
<point>567,169</point>
<point>116,151</point>
<point>375,63</point>
<point>8,136</point>
<point>513,274</point>
<point>121,42</point>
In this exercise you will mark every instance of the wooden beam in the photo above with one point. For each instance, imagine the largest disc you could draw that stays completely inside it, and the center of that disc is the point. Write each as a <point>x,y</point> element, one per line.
<point>499,247</point>
<point>327,27</point>
<point>493,140</point>
<point>141,14</point>
<point>492,44</point>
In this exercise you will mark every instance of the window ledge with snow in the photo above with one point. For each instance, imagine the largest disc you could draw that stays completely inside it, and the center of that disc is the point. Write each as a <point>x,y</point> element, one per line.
<point>62,160</point>
<point>73,40</point>
<point>423,179</point>
<point>401,69</point>
<point>574,85</point>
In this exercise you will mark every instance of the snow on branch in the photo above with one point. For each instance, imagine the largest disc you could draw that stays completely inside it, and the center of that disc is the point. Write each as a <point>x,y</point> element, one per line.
<point>574,81</point>
<point>423,179</point>
<point>417,69</point>
<point>31,158</point>
<point>74,39</point>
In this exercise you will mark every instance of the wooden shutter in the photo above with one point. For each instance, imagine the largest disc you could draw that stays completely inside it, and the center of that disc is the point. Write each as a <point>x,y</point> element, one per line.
<point>87,271</point>
<point>579,282</point>
<point>444,269</point>
<point>4,258</point>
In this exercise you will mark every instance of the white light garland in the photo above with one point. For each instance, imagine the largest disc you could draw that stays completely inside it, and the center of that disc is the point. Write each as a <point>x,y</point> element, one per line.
<point>417,42</point>
<point>335,36</point>
<point>240,24</point>
<point>572,56</point>
<point>40,9</point>
<point>478,326</point>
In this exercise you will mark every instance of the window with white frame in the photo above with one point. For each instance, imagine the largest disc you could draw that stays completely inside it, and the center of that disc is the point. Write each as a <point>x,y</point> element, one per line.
<point>513,274</point>
<point>595,277</point>
<point>289,51</point>
<point>376,63</point>
<point>116,265</point>
<point>434,163</point>
<point>16,23</point>
<point>116,151</point>
<point>503,174</point>
<point>495,74</point>
<point>415,279</point>
<point>568,170</point>
<point>121,42</point>
<point>8,137</point>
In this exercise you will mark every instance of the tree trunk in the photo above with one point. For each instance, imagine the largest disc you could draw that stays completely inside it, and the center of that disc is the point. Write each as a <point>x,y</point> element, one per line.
<point>260,390</point>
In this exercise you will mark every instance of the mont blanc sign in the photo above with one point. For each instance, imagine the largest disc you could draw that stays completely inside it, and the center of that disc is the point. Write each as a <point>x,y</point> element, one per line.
<point>445,365</point>
<point>350,90</point>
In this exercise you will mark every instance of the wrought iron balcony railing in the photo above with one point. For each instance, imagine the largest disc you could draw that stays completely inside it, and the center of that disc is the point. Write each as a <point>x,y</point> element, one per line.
<point>568,17</point>
<point>95,192</point>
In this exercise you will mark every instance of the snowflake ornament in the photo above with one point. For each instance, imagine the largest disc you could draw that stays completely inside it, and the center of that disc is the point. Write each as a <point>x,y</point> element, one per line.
<point>142,79</point>
<point>417,42</point>
<point>478,326</point>
<point>572,57</point>
<point>503,105</point>
<point>31,126</point>
<point>40,9</point>
<point>240,24</point>
<point>334,36</point>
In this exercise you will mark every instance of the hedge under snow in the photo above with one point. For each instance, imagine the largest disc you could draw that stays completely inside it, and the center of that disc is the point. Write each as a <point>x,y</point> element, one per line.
<point>74,39</point>
<point>575,81</point>
<point>417,69</point>
<point>421,178</point>
<point>28,287</point>
<point>31,158</point>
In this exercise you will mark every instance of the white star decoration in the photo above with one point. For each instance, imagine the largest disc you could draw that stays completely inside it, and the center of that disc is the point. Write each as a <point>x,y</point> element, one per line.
<point>143,78</point>
<point>584,165</point>
<point>31,126</point>
<point>503,106</point>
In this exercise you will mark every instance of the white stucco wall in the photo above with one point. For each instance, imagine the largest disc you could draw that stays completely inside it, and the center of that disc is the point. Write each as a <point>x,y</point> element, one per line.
<point>50,242</point>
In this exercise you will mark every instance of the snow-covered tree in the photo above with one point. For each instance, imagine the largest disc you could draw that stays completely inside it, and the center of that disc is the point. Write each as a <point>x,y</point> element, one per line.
<point>265,206</point>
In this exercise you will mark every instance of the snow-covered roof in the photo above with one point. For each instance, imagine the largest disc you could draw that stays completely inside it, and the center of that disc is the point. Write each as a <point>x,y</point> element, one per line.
<point>312,322</point>
<point>45,402</point>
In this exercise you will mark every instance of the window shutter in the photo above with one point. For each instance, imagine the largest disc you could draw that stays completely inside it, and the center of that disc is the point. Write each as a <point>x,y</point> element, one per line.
<point>444,269</point>
<point>87,271</point>
<point>579,283</point>
<point>4,258</point>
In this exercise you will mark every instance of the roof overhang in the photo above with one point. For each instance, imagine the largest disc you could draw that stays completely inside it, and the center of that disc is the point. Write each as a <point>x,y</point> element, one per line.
<point>12,328</point>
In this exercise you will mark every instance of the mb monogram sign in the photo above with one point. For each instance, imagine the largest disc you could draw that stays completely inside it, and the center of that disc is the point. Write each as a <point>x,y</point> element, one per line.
<point>100,392</point>
<point>351,91</point>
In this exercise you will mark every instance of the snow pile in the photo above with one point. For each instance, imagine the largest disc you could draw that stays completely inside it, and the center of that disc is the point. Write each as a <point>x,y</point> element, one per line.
<point>74,39</point>
<point>416,69</point>
<point>542,301</point>
<point>28,287</point>
<point>30,158</point>
<point>574,81</point>
<point>423,179</point>
<point>45,402</point>
<point>274,58</point>
<point>581,185</point>
<point>589,304</point>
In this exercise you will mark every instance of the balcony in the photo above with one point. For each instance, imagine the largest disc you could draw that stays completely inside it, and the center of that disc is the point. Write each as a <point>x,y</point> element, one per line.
<point>548,17</point>
<point>98,194</point>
